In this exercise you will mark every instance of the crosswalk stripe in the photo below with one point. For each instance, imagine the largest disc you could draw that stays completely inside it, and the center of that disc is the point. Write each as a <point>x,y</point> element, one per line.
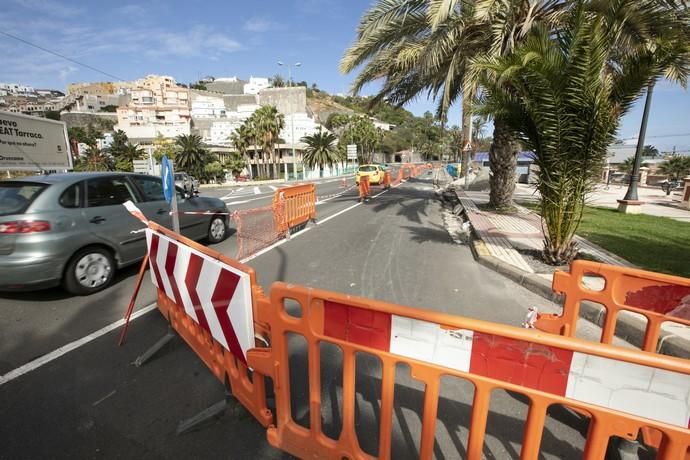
<point>273,188</point>
<point>257,190</point>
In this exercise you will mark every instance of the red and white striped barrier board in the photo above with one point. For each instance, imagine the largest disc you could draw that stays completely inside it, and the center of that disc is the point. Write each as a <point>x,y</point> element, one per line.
<point>644,391</point>
<point>215,295</point>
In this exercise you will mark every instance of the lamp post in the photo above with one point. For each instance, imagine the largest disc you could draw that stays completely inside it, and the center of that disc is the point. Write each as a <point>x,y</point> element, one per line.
<point>630,202</point>
<point>292,120</point>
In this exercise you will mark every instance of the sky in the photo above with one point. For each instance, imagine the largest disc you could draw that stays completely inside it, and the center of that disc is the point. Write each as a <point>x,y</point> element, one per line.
<point>190,40</point>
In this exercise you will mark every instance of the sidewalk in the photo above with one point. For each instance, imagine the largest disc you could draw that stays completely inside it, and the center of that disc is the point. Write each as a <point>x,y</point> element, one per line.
<point>510,244</point>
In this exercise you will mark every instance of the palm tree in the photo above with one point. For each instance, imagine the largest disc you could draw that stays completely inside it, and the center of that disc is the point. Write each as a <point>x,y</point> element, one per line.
<point>125,156</point>
<point>268,123</point>
<point>556,90</point>
<point>95,160</point>
<point>192,154</point>
<point>321,150</point>
<point>240,139</point>
<point>675,167</point>
<point>428,46</point>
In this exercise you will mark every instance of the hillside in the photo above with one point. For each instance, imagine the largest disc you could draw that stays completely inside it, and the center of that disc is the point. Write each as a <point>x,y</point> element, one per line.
<point>322,105</point>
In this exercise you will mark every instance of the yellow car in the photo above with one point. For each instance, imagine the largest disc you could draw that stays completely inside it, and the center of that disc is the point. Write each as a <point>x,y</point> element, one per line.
<point>374,172</point>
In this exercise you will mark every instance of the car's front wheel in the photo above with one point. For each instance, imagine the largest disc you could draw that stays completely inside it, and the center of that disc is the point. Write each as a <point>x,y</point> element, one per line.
<point>217,229</point>
<point>88,271</point>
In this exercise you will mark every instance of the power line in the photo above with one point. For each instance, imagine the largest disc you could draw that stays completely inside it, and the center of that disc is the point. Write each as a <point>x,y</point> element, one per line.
<point>60,55</point>
<point>662,135</point>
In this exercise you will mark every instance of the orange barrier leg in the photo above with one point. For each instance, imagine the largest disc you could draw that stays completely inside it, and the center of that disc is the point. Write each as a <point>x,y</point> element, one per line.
<point>130,308</point>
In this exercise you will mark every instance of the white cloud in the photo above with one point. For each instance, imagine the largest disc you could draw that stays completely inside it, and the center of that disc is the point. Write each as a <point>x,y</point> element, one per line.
<point>65,72</point>
<point>257,25</point>
<point>195,42</point>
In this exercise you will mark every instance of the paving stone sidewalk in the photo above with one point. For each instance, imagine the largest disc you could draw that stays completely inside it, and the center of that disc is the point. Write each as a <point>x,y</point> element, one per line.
<point>501,237</point>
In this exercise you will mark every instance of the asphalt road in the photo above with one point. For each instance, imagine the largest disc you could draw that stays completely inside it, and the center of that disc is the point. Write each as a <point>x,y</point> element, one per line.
<point>91,403</point>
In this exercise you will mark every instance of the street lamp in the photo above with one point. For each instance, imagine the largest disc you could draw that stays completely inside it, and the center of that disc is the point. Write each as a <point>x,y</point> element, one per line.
<point>292,120</point>
<point>630,202</point>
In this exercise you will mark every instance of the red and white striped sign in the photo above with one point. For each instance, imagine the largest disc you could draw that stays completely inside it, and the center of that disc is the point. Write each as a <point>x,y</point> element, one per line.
<point>644,391</point>
<point>215,295</point>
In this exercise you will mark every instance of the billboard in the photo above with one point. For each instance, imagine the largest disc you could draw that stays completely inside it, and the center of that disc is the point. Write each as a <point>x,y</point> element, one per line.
<point>31,143</point>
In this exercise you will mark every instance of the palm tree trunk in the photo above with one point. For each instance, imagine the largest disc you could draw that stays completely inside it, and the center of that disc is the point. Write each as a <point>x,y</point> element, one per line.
<point>466,126</point>
<point>503,162</point>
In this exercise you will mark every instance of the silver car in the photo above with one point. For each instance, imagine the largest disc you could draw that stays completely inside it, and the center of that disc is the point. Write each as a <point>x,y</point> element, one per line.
<point>72,229</point>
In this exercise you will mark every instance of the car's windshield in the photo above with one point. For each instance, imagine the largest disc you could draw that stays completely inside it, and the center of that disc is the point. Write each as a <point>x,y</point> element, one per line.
<point>179,176</point>
<point>15,197</point>
<point>367,168</point>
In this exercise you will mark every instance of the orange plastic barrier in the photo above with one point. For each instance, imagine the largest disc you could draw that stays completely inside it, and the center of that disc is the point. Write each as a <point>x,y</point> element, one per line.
<point>387,179</point>
<point>364,188</point>
<point>298,204</point>
<point>659,298</point>
<point>491,356</point>
<point>251,393</point>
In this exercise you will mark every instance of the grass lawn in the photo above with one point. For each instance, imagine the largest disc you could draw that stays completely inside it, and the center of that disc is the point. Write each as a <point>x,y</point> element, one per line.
<point>653,243</point>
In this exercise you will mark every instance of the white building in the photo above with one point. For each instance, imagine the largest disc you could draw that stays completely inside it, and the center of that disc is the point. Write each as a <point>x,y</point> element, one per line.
<point>304,126</point>
<point>207,106</point>
<point>382,125</point>
<point>221,131</point>
<point>17,89</point>
<point>256,84</point>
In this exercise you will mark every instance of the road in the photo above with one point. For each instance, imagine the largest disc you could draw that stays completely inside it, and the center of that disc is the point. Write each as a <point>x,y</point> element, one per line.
<point>91,403</point>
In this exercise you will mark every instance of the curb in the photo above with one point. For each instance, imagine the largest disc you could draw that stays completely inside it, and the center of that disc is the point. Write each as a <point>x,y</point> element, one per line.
<point>629,328</point>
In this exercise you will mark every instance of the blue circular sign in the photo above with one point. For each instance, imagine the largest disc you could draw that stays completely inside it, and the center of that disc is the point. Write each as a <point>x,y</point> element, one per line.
<point>167,178</point>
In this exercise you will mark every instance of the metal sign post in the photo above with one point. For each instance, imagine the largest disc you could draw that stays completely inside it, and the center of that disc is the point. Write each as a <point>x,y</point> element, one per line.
<point>168,178</point>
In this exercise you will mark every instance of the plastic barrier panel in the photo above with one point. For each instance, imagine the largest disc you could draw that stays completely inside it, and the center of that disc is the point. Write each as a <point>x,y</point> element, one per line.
<point>298,204</point>
<point>364,188</point>
<point>659,298</point>
<point>210,301</point>
<point>612,385</point>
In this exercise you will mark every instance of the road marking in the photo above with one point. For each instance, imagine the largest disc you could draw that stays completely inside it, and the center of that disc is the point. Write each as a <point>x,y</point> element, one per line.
<point>273,188</point>
<point>257,191</point>
<point>63,350</point>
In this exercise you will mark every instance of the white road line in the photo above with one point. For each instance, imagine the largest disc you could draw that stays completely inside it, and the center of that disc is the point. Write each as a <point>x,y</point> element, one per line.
<point>273,188</point>
<point>257,191</point>
<point>53,355</point>
<point>63,350</point>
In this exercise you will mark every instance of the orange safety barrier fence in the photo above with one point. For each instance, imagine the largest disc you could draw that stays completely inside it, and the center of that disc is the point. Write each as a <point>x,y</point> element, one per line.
<point>659,298</point>
<point>224,361</point>
<point>609,384</point>
<point>364,188</point>
<point>298,204</point>
<point>387,179</point>
<point>258,228</point>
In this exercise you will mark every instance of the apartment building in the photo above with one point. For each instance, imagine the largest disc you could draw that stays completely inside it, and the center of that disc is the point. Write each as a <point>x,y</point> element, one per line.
<point>158,106</point>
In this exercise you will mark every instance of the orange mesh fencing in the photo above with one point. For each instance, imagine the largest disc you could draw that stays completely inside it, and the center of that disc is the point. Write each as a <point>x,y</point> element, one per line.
<point>250,392</point>
<point>258,228</point>
<point>298,203</point>
<point>518,360</point>
<point>658,297</point>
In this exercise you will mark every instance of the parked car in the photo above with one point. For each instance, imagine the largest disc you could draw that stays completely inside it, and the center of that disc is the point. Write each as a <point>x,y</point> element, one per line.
<point>374,172</point>
<point>184,181</point>
<point>71,229</point>
<point>195,183</point>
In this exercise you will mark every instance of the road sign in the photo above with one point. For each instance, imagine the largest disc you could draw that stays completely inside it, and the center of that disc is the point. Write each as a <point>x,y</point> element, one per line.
<point>168,180</point>
<point>352,148</point>
<point>352,156</point>
<point>32,143</point>
<point>467,147</point>
<point>167,176</point>
<point>141,166</point>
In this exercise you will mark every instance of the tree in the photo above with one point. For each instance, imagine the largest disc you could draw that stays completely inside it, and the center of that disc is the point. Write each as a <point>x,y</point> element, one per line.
<point>108,108</point>
<point>213,170</point>
<point>124,160</point>
<point>94,160</point>
<point>240,139</point>
<point>268,123</point>
<point>360,130</point>
<point>556,90</point>
<point>235,164</point>
<point>198,85</point>
<point>278,81</point>
<point>191,154</point>
<point>321,150</point>
<point>649,151</point>
<point>52,115</point>
<point>164,146</point>
<point>627,165</point>
<point>676,167</point>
